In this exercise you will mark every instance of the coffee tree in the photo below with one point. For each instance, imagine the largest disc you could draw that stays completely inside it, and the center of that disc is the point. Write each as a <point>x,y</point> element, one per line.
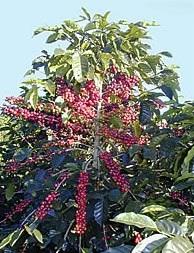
<point>86,141</point>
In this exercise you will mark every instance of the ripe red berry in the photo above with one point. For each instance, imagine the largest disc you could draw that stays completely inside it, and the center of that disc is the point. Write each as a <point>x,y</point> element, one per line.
<point>81,200</point>
<point>46,205</point>
<point>114,170</point>
<point>137,238</point>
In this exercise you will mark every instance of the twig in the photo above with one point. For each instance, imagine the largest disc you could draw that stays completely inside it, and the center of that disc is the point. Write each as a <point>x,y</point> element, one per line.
<point>30,214</point>
<point>105,238</point>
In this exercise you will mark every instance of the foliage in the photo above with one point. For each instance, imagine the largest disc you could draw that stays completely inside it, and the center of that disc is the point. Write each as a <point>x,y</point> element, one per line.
<point>90,162</point>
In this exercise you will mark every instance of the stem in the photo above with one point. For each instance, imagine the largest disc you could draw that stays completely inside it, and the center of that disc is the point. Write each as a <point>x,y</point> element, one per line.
<point>59,185</point>
<point>80,244</point>
<point>105,238</point>
<point>97,128</point>
<point>68,229</point>
<point>26,219</point>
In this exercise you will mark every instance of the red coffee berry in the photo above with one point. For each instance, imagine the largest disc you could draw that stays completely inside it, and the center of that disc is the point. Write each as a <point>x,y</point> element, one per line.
<point>114,170</point>
<point>54,122</point>
<point>137,238</point>
<point>46,205</point>
<point>81,200</point>
<point>119,136</point>
<point>17,208</point>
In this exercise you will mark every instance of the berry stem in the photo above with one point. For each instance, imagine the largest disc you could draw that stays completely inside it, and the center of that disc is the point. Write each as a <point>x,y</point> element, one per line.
<point>97,128</point>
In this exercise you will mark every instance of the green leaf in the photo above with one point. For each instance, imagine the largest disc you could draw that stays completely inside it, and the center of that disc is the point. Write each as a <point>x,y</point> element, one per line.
<point>33,97</point>
<point>6,241</point>
<point>71,166</point>
<point>59,51</point>
<point>80,66</point>
<point>16,235</point>
<point>153,208</point>
<point>145,113</point>
<point>186,175</point>
<point>38,235</point>
<point>52,38</point>
<point>10,191</point>
<point>145,67</point>
<point>178,244</point>
<point>126,46</point>
<point>137,128</point>
<point>133,206</point>
<point>84,250</point>
<point>165,53</point>
<point>86,13</point>
<point>50,87</point>
<point>189,157</point>
<point>105,59</point>
<point>150,244</point>
<point>90,26</point>
<point>170,227</point>
<point>138,220</point>
<point>116,122</point>
<point>167,91</point>
<point>99,211</point>
<point>28,229</point>
<point>46,29</point>
<point>150,23</point>
<point>11,238</point>
<point>119,249</point>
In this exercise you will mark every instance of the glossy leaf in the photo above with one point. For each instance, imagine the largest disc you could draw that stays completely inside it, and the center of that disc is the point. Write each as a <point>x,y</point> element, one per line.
<point>37,234</point>
<point>153,208</point>
<point>145,113</point>
<point>79,66</point>
<point>170,227</point>
<point>10,191</point>
<point>166,53</point>
<point>6,241</point>
<point>33,98</point>
<point>119,249</point>
<point>15,237</point>
<point>151,244</point>
<point>138,220</point>
<point>189,157</point>
<point>99,211</point>
<point>167,91</point>
<point>50,86</point>
<point>52,38</point>
<point>178,244</point>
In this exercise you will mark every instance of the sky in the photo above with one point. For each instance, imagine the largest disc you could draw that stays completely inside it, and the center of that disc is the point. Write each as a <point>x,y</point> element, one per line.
<point>18,20</point>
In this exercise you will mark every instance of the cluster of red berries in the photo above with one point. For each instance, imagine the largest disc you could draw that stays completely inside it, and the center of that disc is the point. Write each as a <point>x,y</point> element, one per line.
<point>46,205</point>
<point>18,208</point>
<point>62,142</point>
<point>15,100</point>
<point>137,238</point>
<point>178,196</point>
<point>84,104</point>
<point>122,137</point>
<point>144,139</point>
<point>129,114</point>
<point>48,107</point>
<point>121,87</point>
<point>63,90</point>
<point>13,166</point>
<point>81,200</point>
<point>178,132</point>
<point>112,69</point>
<point>54,122</point>
<point>114,170</point>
